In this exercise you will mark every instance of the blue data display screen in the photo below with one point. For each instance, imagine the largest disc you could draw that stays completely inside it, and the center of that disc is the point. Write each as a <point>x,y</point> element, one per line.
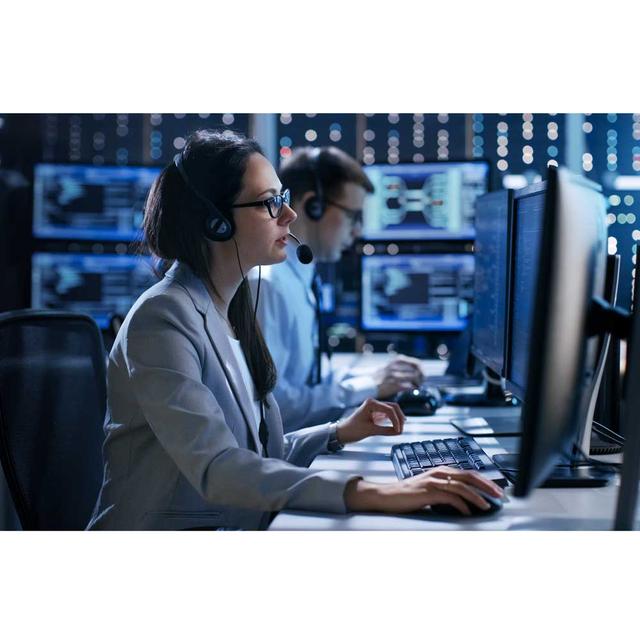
<point>90,203</point>
<point>98,285</point>
<point>491,279</point>
<point>429,201</point>
<point>529,215</point>
<point>416,292</point>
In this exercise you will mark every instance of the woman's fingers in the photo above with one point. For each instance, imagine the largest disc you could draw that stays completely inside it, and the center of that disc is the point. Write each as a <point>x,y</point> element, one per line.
<point>390,410</point>
<point>446,497</point>
<point>463,490</point>
<point>472,478</point>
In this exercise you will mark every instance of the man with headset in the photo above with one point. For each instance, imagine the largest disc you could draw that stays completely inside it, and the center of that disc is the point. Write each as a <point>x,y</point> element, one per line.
<point>328,189</point>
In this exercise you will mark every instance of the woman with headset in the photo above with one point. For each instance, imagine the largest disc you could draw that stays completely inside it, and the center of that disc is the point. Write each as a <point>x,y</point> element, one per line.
<point>193,434</point>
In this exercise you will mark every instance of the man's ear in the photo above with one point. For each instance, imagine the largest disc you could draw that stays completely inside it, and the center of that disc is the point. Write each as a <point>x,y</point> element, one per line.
<point>303,199</point>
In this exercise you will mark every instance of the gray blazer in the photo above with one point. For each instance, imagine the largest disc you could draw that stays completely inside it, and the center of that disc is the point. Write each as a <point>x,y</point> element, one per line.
<point>181,446</point>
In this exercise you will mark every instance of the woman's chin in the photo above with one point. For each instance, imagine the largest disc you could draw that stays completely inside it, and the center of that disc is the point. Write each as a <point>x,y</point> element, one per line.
<point>276,257</point>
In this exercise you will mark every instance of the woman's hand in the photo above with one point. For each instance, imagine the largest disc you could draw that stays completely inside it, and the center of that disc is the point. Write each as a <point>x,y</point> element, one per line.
<point>442,485</point>
<point>367,421</point>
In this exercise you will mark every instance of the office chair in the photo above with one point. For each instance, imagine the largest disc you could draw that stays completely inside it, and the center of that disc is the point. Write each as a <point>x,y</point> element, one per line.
<point>52,406</point>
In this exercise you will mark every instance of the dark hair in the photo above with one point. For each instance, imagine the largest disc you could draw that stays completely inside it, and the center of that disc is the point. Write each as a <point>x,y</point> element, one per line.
<point>174,222</point>
<point>333,167</point>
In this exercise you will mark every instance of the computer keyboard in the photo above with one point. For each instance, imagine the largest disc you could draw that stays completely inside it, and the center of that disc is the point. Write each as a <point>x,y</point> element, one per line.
<point>413,458</point>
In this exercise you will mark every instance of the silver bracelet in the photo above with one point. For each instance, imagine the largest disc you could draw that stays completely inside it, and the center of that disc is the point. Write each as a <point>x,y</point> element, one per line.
<point>334,445</point>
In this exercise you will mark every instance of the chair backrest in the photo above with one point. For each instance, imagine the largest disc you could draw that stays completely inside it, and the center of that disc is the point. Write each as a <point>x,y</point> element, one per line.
<point>52,406</point>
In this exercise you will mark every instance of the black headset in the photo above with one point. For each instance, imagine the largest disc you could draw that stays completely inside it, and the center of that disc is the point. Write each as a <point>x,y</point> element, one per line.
<point>315,206</point>
<point>217,226</point>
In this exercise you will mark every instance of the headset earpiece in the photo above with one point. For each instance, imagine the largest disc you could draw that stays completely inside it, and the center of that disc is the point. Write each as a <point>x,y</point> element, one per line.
<point>314,208</point>
<point>217,227</point>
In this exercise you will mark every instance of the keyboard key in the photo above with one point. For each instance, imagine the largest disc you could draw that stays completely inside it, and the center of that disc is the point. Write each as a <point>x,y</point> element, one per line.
<point>422,456</point>
<point>430,448</point>
<point>443,450</point>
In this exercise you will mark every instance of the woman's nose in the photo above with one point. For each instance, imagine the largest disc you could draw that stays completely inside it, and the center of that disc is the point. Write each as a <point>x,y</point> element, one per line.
<point>288,215</point>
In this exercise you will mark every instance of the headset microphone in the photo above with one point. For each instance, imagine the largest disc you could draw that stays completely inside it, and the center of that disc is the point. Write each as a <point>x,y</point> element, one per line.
<point>304,253</point>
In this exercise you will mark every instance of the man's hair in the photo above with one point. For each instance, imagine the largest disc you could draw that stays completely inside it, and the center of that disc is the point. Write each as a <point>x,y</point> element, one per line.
<point>333,167</point>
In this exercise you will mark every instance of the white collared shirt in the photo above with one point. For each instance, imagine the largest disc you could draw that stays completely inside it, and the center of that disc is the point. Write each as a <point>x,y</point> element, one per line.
<point>247,379</point>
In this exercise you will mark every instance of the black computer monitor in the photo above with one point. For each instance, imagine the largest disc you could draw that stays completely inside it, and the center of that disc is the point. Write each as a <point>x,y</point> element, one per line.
<point>99,285</point>
<point>416,292</point>
<point>90,202</point>
<point>570,264</point>
<point>526,235</point>
<point>491,283</point>
<point>626,508</point>
<point>426,201</point>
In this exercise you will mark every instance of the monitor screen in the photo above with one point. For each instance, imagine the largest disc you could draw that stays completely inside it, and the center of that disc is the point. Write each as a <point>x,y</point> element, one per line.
<point>527,232</point>
<point>416,292</point>
<point>429,201</point>
<point>90,203</point>
<point>491,279</point>
<point>98,285</point>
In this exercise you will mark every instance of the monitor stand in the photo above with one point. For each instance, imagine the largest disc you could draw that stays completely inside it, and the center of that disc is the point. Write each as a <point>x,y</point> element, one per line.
<point>489,427</point>
<point>568,474</point>
<point>490,395</point>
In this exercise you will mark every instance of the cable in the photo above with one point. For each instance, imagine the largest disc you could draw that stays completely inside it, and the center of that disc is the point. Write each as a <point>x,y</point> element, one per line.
<point>608,433</point>
<point>255,309</point>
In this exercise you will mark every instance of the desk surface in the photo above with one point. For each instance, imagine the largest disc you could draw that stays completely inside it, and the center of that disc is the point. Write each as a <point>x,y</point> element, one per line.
<point>545,509</point>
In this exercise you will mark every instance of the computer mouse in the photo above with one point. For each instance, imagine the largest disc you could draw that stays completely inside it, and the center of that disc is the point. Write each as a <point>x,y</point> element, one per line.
<point>419,402</point>
<point>495,504</point>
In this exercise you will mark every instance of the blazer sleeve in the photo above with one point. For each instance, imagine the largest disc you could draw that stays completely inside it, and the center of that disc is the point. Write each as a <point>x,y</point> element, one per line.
<point>165,370</point>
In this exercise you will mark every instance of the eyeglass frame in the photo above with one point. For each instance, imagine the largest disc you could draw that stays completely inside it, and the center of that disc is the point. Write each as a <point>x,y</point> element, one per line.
<point>354,215</point>
<point>286,199</point>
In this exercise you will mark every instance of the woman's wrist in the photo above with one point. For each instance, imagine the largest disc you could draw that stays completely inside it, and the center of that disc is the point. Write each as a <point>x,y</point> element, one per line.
<point>342,432</point>
<point>360,495</point>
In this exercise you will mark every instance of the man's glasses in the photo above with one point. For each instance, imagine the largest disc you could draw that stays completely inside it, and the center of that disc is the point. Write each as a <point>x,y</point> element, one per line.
<point>354,215</point>
<point>274,204</point>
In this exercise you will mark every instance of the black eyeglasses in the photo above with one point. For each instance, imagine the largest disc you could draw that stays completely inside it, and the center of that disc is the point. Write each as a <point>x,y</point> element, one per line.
<point>354,215</point>
<point>274,204</point>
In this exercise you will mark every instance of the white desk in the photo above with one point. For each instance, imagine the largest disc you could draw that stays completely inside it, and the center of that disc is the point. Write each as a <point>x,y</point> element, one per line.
<point>545,509</point>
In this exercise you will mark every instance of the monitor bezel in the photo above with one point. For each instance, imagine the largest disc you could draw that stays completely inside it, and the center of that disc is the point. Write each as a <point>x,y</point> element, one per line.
<point>444,238</point>
<point>71,237</point>
<point>544,441</point>
<point>488,362</point>
<point>528,191</point>
<point>417,249</point>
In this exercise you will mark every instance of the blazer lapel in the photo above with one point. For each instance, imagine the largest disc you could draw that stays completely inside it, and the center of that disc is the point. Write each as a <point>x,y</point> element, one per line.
<point>214,327</point>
